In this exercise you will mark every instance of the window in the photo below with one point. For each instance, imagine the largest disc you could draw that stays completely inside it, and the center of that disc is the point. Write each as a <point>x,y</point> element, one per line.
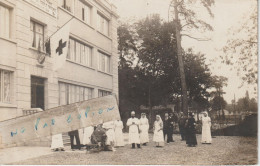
<point>4,22</point>
<point>102,93</point>
<point>66,4</point>
<point>80,53</point>
<point>5,86</point>
<point>37,35</point>
<point>102,24</point>
<point>70,93</point>
<point>85,12</point>
<point>104,62</point>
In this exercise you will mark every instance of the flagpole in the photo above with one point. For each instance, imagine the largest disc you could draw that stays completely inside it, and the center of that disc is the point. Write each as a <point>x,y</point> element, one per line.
<point>61,27</point>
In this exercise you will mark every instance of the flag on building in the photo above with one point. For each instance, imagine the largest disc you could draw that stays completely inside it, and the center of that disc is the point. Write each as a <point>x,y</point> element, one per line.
<point>48,47</point>
<point>59,46</point>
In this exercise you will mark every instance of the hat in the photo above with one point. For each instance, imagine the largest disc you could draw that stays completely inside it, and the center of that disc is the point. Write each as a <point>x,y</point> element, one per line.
<point>143,113</point>
<point>166,113</point>
<point>132,113</point>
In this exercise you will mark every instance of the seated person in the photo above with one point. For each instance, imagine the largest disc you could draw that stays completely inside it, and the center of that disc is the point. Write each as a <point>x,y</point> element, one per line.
<point>99,136</point>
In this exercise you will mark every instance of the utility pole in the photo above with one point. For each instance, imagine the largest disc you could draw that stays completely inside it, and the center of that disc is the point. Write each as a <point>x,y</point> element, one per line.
<point>180,60</point>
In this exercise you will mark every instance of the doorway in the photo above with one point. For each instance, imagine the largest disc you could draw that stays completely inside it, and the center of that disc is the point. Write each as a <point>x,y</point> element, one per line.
<point>37,92</point>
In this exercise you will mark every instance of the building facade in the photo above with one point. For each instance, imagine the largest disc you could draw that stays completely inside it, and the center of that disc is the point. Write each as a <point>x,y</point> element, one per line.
<point>27,78</point>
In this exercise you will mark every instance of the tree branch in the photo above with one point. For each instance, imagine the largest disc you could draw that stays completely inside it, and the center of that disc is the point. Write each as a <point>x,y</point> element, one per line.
<point>198,39</point>
<point>185,25</point>
<point>252,42</point>
<point>180,2</point>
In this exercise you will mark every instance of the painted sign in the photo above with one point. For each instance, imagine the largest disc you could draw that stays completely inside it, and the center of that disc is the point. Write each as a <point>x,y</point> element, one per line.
<point>58,120</point>
<point>49,6</point>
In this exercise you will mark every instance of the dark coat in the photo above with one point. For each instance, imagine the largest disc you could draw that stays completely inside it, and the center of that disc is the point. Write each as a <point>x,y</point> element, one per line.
<point>168,124</point>
<point>191,132</point>
<point>73,133</point>
<point>182,122</point>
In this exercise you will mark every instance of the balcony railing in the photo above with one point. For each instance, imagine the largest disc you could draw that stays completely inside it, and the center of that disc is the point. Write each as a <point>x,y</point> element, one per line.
<point>31,111</point>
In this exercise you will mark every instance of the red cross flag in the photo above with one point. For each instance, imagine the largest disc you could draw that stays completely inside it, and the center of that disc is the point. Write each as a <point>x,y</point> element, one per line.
<point>59,42</point>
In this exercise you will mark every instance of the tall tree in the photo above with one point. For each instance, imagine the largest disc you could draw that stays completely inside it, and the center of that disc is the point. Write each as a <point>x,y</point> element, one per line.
<point>199,79</point>
<point>154,79</point>
<point>186,18</point>
<point>218,103</point>
<point>129,99</point>
<point>156,45</point>
<point>241,50</point>
<point>218,83</point>
<point>126,45</point>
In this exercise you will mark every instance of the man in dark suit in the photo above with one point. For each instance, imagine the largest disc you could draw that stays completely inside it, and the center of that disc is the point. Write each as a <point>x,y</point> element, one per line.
<point>168,127</point>
<point>165,125</point>
<point>182,122</point>
<point>72,134</point>
<point>171,127</point>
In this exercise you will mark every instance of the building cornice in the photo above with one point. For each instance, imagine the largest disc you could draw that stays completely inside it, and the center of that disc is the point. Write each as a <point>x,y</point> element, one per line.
<point>110,10</point>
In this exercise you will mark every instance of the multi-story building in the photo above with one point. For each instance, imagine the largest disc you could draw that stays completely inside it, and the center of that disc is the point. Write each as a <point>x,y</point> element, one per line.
<point>27,78</point>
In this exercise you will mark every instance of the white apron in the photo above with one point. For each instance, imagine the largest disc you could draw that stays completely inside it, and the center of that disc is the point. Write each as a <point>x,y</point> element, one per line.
<point>133,130</point>
<point>158,135</point>
<point>56,141</point>
<point>206,133</point>
<point>87,135</point>
<point>144,127</point>
<point>119,140</point>
<point>109,126</point>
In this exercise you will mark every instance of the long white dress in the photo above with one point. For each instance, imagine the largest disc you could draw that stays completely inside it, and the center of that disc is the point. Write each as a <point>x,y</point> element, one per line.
<point>133,130</point>
<point>87,135</point>
<point>119,140</point>
<point>158,135</point>
<point>206,133</point>
<point>57,141</point>
<point>144,127</point>
<point>110,127</point>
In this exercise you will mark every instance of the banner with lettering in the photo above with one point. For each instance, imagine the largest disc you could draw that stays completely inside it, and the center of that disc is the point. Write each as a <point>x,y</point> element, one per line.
<point>58,120</point>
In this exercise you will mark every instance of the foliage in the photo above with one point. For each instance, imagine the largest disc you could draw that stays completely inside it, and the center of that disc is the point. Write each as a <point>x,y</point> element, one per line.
<point>244,104</point>
<point>189,19</point>
<point>218,82</point>
<point>157,57</point>
<point>154,79</point>
<point>199,79</point>
<point>186,19</point>
<point>218,103</point>
<point>241,49</point>
<point>126,45</point>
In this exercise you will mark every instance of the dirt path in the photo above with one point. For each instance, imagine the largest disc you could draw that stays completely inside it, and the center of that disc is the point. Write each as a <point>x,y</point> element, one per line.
<point>224,151</point>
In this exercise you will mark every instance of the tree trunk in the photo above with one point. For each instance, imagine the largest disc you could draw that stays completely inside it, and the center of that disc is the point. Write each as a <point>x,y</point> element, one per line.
<point>180,60</point>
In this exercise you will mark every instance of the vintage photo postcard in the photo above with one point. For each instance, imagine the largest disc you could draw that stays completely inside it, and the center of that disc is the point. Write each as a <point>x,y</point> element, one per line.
<point>128,82</point>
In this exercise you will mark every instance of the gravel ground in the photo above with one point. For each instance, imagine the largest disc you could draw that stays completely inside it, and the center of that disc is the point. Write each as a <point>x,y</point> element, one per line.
<point>225,150</point>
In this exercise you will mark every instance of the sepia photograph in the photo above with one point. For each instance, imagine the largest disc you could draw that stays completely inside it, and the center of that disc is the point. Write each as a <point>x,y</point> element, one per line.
<point>129,82</point>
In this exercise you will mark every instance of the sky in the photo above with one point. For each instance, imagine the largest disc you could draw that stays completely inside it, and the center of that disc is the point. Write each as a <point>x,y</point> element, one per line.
<point>227,14</point>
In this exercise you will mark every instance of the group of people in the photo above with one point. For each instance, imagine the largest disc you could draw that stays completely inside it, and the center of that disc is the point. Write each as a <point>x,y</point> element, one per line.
<point>187,127</point>
<point>163,129</point>
<point>110,133</point>
<point>138,130</point>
